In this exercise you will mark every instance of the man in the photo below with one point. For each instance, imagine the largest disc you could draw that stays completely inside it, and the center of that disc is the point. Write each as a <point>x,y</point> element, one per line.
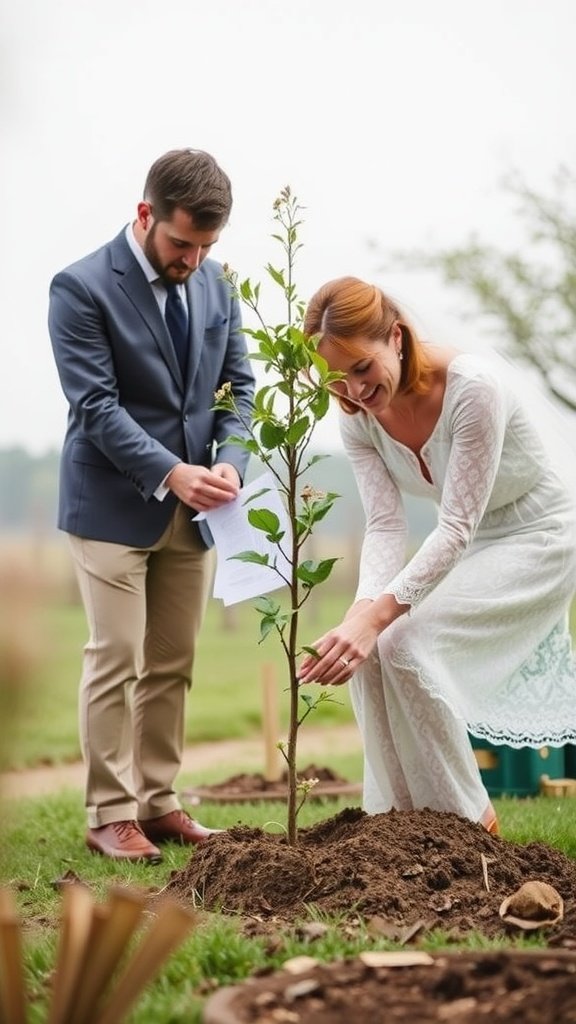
<point>144,331</point>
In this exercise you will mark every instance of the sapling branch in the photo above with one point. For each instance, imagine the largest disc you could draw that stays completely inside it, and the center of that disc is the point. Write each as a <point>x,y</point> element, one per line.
<point>284,416</point>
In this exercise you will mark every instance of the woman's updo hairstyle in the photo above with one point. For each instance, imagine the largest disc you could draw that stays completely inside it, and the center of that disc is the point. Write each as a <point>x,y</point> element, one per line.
<point>346,308</point>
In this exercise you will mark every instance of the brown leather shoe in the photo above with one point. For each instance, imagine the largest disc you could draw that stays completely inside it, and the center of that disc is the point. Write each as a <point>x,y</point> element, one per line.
<point>178,827</point>
<point>123,840</point>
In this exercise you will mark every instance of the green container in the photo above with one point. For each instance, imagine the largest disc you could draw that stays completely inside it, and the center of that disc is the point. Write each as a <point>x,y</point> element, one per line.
<point>509,772</point>
<point>570,761</point>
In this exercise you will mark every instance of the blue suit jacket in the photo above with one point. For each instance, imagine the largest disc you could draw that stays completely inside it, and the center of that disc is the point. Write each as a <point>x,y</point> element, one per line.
<point>132,417</point>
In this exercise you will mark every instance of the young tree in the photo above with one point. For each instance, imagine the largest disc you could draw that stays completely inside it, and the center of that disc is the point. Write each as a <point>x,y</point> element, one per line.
<point>286,409</point>
<point>528,294</point>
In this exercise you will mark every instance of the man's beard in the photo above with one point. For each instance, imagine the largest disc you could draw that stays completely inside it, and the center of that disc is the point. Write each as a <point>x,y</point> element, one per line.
<point>151,253</point>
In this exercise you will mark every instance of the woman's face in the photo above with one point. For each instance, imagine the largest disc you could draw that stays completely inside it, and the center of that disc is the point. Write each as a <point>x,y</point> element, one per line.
<point>372,369</point>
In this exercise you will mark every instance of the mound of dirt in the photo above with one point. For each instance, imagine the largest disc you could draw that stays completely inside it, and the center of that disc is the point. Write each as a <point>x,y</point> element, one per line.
<point>412,871</point>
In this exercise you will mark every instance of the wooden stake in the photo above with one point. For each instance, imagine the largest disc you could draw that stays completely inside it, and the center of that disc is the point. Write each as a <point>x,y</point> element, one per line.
<point>167,931</point>
<point>75,928</point>
<point>107,943</point>
<point>270,724</point>
<point>12,989</point>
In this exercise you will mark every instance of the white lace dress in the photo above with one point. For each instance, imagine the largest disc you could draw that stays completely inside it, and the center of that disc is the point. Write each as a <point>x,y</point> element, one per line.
<point>485,646</point>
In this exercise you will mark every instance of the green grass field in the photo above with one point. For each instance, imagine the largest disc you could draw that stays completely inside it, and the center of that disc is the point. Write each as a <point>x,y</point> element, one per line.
<point>225,701</point>
<point>43,838</point>
<point>226,697</point>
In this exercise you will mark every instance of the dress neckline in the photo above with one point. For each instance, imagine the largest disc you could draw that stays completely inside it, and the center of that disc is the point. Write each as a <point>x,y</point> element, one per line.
<point>418,455</point>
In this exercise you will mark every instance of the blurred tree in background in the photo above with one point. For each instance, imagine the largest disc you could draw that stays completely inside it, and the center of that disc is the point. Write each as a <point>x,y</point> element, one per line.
<point>528,294</point>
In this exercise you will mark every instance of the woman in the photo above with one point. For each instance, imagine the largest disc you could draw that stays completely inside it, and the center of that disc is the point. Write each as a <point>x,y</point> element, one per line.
<point>471,633</point>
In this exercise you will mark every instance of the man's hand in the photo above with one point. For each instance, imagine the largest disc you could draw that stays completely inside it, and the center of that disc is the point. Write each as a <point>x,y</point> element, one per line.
<point>201,488</point>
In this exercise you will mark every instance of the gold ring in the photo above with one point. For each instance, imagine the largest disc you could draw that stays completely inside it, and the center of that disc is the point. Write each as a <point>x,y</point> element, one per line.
<point>344,661</point>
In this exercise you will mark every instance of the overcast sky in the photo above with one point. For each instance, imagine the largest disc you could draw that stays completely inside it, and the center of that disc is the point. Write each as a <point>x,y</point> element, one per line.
<point>394,122</point>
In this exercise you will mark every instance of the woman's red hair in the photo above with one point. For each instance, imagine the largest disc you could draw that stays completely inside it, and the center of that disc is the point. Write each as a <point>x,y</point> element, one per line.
<point>346,309</point>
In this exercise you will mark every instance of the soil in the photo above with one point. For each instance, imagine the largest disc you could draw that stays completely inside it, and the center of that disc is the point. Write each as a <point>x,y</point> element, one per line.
<point>412,870</point>
<point>463,988</point>
<point>396,876</point>
<point>248,754</point>
<point>246,787</point>
<point>388,876</point>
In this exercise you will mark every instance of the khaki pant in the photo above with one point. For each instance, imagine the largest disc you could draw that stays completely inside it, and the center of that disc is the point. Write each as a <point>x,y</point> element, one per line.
<point>144,609</point>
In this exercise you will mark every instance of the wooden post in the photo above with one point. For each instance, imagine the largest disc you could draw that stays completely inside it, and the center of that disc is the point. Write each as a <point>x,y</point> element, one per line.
<point>270,724</point>
<point>12,986</point>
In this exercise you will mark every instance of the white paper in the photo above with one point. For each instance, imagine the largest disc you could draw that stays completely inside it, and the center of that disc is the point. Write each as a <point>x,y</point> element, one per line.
<point>236,580</point>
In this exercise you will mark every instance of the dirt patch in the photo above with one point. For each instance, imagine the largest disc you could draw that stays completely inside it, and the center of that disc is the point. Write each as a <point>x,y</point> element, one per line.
<point>228,755</point>
<point>413,871</point>
<point>397,876</point>
<point>463,988</point>
<point>246,787</point>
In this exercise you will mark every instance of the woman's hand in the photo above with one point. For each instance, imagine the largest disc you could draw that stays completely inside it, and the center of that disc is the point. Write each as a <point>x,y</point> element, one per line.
<point>343,649</point>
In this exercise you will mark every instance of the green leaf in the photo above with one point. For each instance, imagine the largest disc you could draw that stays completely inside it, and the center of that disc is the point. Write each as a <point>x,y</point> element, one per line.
<point>325,697</point>
<point>316,458</point>
<point>320,404</point>
<point>267,624</point>
<point>261,396</point>
<point>264,490</point>
<point>262,357</point>
<point>245,290</point>
<point>311,573</point>
<point>319,363</point>
<point>301,526</point>
<point>271,435</point>
<point>297,430</point>
<point>311,650</point>
<point>241,442</point>
<point>266,606</point>
<point>276,275</point>
<point>250,556</point>
<point>263,519</point>
<point>308,700</point>
<point>269,407</point>
<point>319,508</point>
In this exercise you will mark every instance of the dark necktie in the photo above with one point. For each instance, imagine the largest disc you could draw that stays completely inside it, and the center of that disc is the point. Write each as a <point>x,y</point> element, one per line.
<point>177,322</point>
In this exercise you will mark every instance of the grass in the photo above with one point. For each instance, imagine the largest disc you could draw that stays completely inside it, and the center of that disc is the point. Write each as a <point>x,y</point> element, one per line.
<point>43,839</point>
<point>226,697</point>
<point>225,701</point>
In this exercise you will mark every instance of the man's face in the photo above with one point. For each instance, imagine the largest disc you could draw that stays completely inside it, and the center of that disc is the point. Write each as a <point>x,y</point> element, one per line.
<point>174,247</point>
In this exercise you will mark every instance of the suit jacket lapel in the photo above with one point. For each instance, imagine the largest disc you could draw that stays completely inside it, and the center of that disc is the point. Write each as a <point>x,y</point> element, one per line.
<point>133,282</point>
<point>196,294</point>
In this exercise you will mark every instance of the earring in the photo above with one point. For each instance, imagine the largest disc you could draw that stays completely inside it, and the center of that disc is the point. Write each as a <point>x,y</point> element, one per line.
<point>400,355</point>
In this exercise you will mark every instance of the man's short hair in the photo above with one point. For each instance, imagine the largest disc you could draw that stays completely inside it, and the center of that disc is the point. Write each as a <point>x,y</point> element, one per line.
<point>190,180</point>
